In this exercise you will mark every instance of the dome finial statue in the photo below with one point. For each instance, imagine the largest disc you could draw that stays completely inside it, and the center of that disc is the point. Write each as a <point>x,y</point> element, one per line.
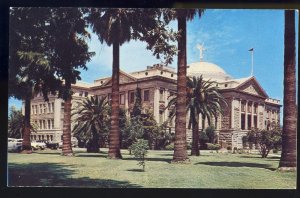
<point>201,48</point>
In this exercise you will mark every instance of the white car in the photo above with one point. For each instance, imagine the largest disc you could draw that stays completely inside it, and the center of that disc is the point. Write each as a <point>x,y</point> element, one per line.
<point>14,145</point>
<point>35,145</point>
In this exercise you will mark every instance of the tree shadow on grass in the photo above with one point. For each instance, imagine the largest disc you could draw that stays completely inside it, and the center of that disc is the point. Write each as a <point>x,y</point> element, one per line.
<point>257,157</point>
<point>54,174</point>
<point>152,159</point>
<point>238,164</point>
<point>136,170</point>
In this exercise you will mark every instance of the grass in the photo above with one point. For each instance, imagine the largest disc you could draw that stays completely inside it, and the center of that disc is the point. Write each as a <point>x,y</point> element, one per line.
<point>210,170</point>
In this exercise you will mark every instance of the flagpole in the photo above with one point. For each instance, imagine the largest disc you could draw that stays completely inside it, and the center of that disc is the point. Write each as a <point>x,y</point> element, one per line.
<point>252,51</point>
<point>252,63</point>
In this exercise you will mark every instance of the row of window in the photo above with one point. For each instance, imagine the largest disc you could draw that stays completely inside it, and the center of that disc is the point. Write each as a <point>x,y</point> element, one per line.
<point>44,124</point>
<point>249,107</point>
<point>131,96</point>
<point>81,93</point>
<point>248,124</point>
<point>42,108</point>
<point>42,137</point>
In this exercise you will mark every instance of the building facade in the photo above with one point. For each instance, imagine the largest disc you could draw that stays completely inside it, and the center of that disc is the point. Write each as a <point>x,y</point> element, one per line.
<point>248,104</point>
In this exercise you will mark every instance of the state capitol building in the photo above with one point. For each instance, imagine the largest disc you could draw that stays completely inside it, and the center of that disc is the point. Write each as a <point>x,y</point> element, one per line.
<point>248,103</point>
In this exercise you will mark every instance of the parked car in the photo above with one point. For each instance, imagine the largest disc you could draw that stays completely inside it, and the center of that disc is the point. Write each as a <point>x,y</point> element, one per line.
<point>14,145</point>
<point>52,145</point>
<point>35,145</point>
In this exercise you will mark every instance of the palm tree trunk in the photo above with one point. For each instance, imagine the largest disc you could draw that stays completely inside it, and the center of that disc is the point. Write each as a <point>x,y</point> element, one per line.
<point>114,135</point>
<point>195,139</point>
<point>288,156</point>
<point>26,145</point>
<point>180,150</point>
<point>67,145</point>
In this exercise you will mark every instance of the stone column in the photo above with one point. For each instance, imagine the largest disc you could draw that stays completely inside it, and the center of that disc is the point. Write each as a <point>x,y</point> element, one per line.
<point>240,118</point>
<point>246,115</point>
<point>126,105</point>
<point>57,113</point>
<point>166,112</point>
<point>252,114</point>
<point>156,104</point>
<point>232,113</point>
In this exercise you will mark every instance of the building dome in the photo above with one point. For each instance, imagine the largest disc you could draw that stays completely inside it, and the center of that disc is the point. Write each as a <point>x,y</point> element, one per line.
<point>208,71</point>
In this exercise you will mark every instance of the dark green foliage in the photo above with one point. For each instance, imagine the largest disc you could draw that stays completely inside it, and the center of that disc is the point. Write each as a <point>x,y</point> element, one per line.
<point>266,139</point>
<point>91,118</point>
<point>139,149</point>
<point>211,134</point>
<point>15,123</point>
<point>137,107</point>
<point>213,146</point>
<point>170,146</point>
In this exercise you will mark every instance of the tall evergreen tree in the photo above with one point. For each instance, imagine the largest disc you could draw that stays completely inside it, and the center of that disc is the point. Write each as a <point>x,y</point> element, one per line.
<point>69,54</point>
<point>29,68</point>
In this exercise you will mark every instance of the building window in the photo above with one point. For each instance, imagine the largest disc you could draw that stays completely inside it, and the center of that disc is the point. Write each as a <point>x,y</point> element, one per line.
<point>255,108</point>
<point>243,121</point>
<point>80,93</point>
<point>161,95</point>
<point>249,107</point>
<point>172,75</point>
<point>44,105</point>
<point>122,99</point>
<point>131,97</point>
<point>41,108</point>
<point>52,124</point>
<point>86,94</point>
<point>243,106</point>
<point>49,124</point>
<point>249,122</point>
<point>44,124</point>
<point>225,85</point>
<point>255,121</point>
<point>146,73</point>
<point>146,95</point>
<point>41,124</point>
<point>161,72</point>
<point>49,107</point>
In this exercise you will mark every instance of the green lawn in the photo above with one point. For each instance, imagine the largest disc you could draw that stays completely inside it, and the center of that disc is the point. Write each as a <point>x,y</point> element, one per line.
<point>210,170</point>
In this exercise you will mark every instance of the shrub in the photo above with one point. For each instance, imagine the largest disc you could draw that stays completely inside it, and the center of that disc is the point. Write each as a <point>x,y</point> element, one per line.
<point>211,134</point>
<point>170,147</point>
<point>139,149</point>
<point>266,139</point>
<point>213,146</point>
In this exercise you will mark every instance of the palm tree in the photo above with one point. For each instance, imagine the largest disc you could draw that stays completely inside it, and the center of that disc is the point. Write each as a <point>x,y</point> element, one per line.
<point>115,27</point>
<point>288,155</point>
<point>91,120</point>
<point>202,98</point>
<point>69,52</point>
<point>182,16</point>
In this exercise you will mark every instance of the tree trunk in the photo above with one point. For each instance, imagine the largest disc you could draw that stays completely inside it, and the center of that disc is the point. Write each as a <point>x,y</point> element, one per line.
<point>288,156</point>
<point>26,145</point>
<point>195,139</point>
<point>180,148</point>
<point>114,135</point>
<point>67,145</point>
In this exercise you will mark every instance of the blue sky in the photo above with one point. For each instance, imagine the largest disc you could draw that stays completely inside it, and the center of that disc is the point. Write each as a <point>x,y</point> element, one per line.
<point>227,36</point>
